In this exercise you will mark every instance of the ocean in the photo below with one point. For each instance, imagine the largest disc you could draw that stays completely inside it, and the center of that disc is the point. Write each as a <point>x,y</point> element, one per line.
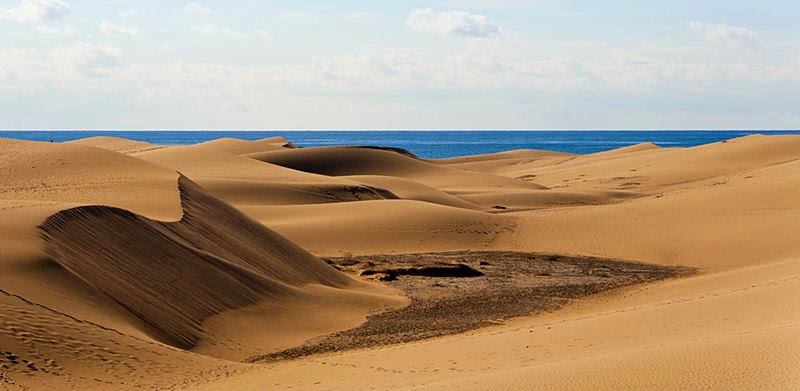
<point>427,144</point>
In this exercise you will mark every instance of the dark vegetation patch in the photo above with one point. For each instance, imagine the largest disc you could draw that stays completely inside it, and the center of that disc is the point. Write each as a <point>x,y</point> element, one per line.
<point>437,270</point>
<point>501,285</point>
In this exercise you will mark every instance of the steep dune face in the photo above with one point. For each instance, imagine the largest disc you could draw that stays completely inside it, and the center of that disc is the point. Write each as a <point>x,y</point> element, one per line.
<point>40,179</point>
<point>173,276</point>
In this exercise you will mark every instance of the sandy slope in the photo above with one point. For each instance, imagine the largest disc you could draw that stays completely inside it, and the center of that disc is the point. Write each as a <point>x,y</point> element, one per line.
<point>417,179</point>
<point>109,250</point>
<point>686,334</point>
<point>729,221</point>
<point>243,147</point>
<point>502,161</point>
<point>38,180</point>
<point>172,276</point>
<point>378,227</point>
<point>243,181</point>
<point>410,190</point>
<point>729,208</point>
<point>732,327</point>
<point>652,170</point>
<point>116,144</point>
<point>341,161</point>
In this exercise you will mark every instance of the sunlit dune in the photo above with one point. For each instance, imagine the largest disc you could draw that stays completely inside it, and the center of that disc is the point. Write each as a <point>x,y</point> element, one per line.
<point>251,265</point>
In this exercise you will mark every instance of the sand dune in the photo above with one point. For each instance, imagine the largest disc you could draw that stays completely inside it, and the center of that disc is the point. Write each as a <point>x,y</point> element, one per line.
<point>134,254</point>
<point>726,222</point>
<point>410,190</point>
<point>497,163</point>
<point>651,170</point>
<point>519,154</point>
<point>203,161</point>
<point>174,275</point>
<point>78,174</point>
<point>239,180</point>
<point>377,227</point>
<point>40,179</point>
<point>117,144</point>
<point>243,147</point>
<point>142,278</point>
<point>412,177</point>
<point>550,198</point>
<point>348,161</point>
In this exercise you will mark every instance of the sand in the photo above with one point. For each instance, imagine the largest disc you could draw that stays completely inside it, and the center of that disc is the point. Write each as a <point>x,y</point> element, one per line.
<point>126,265</point>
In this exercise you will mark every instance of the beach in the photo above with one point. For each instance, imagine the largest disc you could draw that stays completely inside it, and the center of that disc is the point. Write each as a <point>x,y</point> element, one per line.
<point>258,264</point>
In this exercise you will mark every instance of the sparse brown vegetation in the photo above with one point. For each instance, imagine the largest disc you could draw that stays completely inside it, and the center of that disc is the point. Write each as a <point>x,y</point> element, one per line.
<point>444,302</point>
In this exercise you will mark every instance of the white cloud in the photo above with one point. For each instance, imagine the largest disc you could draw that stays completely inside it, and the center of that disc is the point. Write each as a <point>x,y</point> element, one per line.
<point>452,22</point>
<point>364,91</point>
<point>113,30</point>
<point>264,34</point>
<point>128,14</point>
<point>34,11</point>
<point>214,30</point>
<point>196,8</point>
<point>724,34</point>
<point>48,30</point>
<point>84,60</point>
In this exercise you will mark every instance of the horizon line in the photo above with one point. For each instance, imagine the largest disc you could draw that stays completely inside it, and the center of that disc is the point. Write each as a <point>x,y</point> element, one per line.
<point>404,130</point>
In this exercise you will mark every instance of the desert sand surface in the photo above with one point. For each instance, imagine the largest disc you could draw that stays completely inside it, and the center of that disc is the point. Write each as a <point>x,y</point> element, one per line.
<point>127,265</point>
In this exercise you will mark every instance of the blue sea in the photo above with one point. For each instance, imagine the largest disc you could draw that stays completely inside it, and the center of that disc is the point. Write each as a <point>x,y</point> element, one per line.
<point>428,144</point>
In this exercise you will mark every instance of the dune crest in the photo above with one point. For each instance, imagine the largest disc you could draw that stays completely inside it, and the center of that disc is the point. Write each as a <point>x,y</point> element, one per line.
<point>117,144</point>
<point>242,147</point>
<point>172,276</point>
<point>347,161</point>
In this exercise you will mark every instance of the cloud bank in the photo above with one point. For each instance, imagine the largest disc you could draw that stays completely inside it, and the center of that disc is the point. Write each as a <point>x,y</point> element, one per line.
<point>34,11</point>
<point>724,34</point>
<point>112,30</point>
<point>214,30</point>
<point>452,23</point>
<point>196,8</point>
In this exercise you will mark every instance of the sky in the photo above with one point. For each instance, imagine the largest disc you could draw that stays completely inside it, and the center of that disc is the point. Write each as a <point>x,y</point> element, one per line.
<point>447,64</point>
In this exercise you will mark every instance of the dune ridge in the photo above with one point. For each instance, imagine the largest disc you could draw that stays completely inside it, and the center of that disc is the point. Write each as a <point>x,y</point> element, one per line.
<point>174,275</point>
<point>345,161</point>
<point>117,144</point>
<point>243,147</point>
<point>239,180</point>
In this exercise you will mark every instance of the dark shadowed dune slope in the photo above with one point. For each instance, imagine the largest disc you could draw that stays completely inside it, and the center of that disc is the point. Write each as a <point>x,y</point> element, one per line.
<point>173,275</point>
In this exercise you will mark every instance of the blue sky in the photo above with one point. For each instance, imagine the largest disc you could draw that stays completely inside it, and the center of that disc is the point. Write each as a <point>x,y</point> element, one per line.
<point>457,64</point>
